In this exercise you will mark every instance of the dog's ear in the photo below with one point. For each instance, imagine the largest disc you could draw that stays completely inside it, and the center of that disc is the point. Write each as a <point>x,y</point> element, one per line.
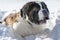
<point>21,13</point>
<point>46,11</point>
<point>25,10</point>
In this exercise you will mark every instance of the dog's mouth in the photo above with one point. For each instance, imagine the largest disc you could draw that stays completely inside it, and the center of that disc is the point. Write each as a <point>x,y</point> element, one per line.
<point>40,22</point>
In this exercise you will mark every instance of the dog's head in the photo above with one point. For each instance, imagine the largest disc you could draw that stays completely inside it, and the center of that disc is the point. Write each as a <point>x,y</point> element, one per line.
<point>35,12</point>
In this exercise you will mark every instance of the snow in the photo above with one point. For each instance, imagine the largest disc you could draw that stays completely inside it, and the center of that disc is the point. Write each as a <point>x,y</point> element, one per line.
<point>54,8</point>
<point>7,34</point>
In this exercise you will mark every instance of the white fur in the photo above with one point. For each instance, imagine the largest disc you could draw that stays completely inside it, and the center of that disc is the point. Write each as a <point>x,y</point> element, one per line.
<point>25,29</point>
<point>52,21</point>
<point>41,16</point>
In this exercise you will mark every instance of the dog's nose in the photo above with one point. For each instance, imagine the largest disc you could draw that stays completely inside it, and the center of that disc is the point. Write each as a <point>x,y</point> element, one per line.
<point>47,18</point>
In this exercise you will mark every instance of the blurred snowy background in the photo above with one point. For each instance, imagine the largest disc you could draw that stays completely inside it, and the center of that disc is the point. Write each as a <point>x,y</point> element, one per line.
<point>8,5</point>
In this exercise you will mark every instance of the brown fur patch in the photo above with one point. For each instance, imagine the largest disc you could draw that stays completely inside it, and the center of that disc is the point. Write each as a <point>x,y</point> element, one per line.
<point>10,19</point>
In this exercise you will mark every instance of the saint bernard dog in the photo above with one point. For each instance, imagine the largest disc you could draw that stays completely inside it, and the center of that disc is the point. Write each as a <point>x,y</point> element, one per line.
<point>34,20</point>
<point>31,20</point>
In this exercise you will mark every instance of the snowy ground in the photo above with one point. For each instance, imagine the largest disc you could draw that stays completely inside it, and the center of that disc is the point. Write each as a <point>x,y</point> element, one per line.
<point>53,5</point>
<point>6,33</point>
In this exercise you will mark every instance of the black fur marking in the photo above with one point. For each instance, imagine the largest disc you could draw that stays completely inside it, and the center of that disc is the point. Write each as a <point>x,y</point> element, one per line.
<point>44,6</point>
<point>21,13</point>
<point>31,9</point>
<point>0,22</point>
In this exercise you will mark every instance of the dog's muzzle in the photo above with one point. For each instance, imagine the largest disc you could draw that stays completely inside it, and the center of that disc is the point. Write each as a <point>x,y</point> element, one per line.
<point>46,14</point>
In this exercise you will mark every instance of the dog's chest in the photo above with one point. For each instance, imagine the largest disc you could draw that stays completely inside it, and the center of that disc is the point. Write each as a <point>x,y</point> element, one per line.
<point>27,29</point>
